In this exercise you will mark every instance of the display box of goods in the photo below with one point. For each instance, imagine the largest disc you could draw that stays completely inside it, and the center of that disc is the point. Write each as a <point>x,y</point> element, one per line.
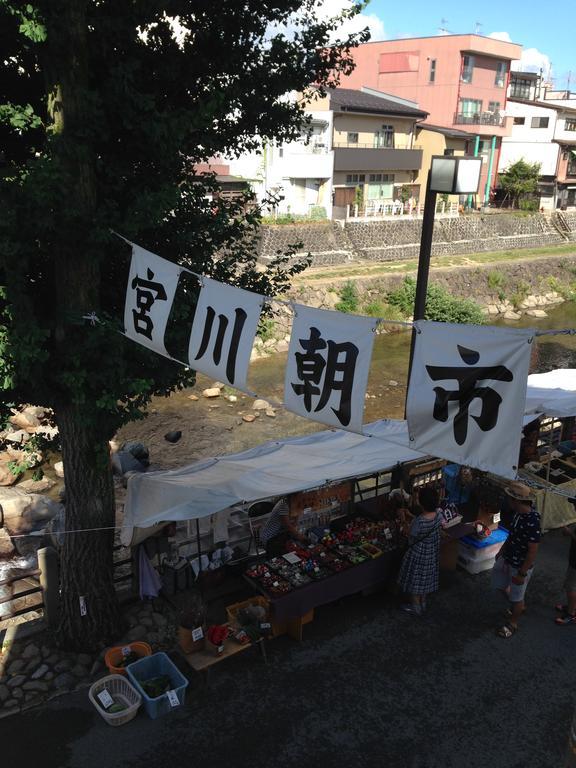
<point>118,658</point>
<point>298,549</point>
<point>371,550</point>
<point>216,636</point>
<point>356,556</point>
<point>275,585</point>
<point>315,570</point>
<point>115,698</point>
<point>159,682</point>
<point>276,563</point>
<point>299,579</point>
<point>330,540</point>
<point>338,564</point>
<point>259,572</point>
<point>250,620</point>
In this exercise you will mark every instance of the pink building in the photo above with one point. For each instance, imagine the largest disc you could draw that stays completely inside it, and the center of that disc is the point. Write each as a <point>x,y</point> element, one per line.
<point>460,80</point>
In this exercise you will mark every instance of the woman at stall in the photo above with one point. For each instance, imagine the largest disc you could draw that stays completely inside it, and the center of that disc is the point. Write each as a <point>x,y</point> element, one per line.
<point>418,576</point>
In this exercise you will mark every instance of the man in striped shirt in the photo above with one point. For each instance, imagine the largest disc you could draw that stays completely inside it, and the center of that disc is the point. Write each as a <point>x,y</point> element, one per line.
<point>279,528</point>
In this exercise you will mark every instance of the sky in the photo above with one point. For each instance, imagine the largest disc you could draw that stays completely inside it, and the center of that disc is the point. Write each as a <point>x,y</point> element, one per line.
<point>545,30</point>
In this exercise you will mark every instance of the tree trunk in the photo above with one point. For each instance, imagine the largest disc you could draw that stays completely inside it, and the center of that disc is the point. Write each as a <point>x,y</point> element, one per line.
<point>86,558</point>
<point>86,563</point>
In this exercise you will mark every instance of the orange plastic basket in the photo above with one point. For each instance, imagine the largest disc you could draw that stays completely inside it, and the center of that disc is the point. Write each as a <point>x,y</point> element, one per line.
<point>114,656</point>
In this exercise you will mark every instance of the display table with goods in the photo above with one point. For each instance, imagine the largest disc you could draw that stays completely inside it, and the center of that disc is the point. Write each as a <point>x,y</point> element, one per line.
<point>248,626</point>
<point>555,510</point>
<point>362,555</point>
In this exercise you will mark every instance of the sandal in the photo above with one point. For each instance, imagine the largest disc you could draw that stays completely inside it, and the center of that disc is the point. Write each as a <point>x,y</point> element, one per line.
<point>568,618</point>
<point>506,631</point>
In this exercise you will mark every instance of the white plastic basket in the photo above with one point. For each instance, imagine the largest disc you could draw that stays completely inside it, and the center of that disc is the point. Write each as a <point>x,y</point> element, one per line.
<point>123,692</point>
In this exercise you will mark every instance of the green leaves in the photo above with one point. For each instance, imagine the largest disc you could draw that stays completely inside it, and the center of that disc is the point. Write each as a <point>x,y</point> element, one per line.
<point>441,306</point>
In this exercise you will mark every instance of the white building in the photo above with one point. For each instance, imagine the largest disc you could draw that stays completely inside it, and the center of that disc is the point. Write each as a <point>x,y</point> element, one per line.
<point>532,139</point>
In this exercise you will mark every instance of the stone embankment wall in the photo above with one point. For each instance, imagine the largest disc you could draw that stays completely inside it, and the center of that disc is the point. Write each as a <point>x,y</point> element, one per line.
<point>488,285</point>
<point>508,289</point>
<point>330,243</point>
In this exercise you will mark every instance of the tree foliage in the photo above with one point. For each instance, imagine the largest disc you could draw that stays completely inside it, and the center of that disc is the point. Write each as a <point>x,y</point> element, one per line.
<point>441,306</point>
<point>520,180</point>
<point>104,114</point>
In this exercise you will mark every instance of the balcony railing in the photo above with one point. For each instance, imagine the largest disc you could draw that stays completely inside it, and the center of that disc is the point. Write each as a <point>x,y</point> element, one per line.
<point>479,118</point>
<point>357,145</point>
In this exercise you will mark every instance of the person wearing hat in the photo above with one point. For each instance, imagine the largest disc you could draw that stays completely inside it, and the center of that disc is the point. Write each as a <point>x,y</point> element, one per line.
<point>515,561</point>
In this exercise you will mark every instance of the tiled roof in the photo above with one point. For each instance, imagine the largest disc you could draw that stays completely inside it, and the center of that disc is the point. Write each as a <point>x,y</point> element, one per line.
<point>349,100</point>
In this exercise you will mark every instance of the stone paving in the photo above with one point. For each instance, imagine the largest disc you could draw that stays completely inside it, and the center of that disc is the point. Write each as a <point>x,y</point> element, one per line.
<point>33,669</point>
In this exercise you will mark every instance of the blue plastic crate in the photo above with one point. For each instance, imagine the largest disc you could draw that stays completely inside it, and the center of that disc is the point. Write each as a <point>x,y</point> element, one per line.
<point>496,537</point>
<point>153,666</point>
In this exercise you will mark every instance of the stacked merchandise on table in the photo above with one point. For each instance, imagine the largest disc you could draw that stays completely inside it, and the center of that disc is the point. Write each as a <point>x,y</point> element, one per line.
<point>333,552</point>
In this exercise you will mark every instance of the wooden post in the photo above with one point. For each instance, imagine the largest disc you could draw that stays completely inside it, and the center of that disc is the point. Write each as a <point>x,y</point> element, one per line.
<point>48,563</point>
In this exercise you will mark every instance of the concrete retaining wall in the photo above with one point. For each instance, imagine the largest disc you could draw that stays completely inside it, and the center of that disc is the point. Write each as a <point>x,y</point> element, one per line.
<point>329,243</point>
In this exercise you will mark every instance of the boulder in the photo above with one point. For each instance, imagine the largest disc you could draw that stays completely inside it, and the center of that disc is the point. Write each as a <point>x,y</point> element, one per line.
<point>7,477</point>
<point>174,436</point>
<point>7,549</point>
<point>59,468</point>
<point>28,510</point>
<point>282,346</point>
<point>26,421</point>
<point>537,313</point>
<point>18,437</point>
<point>249,417</point>
<point>36,486</point>
<point>124,461</point>
<point>511,315</point>
<point>260,405</point>
<point>138,450</point>
<point>211,392</point>
<point>193,397</point>
<point>270,413</point>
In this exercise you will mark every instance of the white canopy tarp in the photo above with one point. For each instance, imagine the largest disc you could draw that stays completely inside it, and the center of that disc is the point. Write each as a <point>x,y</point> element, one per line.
<point>272,469</point>
<point>295,464</point>
<point>552,393</point>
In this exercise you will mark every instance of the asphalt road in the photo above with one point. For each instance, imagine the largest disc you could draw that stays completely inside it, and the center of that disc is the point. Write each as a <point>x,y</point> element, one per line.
<point>368,687</point>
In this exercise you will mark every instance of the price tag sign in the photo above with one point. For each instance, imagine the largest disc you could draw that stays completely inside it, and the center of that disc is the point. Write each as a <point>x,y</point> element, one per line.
<point>322,554</point>
<point>197,634</point>
<point>220,649</point>
<point>265,625</point>
<point>387,533</point>
<point>497,517</point>
<point>316,569</point>
<point>83,608</point>
<point>126,650</point>
<point>173,699</point>
<point>105,699</point>
<point>275,584</point>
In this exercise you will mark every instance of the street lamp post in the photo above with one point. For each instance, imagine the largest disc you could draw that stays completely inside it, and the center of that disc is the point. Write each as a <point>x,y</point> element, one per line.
<point>447,175</point>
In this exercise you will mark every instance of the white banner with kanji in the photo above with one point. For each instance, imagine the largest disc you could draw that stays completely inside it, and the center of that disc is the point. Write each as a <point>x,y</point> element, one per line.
<point>467,393</point>
<point>223,332</point>
<point>151,287</point>
<point>328,364</point>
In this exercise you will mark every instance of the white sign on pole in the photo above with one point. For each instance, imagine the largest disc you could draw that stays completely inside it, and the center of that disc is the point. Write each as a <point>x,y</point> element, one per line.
<point>223,332</point>
<point>467,394</point>
<point>151,287</point>
<point>328,364</point>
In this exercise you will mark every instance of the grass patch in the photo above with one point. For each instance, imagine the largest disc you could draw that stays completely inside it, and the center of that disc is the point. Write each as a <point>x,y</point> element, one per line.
<point>437,262</point>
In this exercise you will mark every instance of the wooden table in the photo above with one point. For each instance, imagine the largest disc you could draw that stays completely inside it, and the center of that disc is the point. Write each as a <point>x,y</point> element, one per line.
<point>202,661</point>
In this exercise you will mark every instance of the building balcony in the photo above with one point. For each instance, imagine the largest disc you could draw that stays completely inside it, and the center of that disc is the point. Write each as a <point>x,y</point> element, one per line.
<point>480,118</point>
<point>305,164</point>
<point>355,157</point>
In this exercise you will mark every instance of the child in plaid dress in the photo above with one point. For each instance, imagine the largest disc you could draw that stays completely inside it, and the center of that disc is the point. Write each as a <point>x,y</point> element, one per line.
<point>420,567</point>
